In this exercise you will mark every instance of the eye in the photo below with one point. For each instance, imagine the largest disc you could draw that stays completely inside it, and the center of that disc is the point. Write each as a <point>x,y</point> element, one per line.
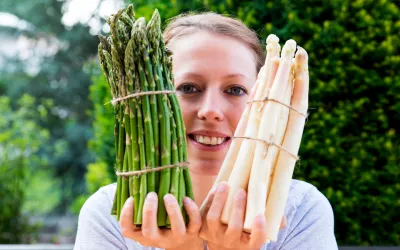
<point>187,88</point>
<point>236,91</point>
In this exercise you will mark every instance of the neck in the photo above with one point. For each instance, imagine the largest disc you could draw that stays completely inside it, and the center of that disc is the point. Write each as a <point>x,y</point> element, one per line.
<point>202,184</point>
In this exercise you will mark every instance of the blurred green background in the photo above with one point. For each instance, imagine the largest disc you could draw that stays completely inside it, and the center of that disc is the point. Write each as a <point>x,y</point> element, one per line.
<point>56,134</point>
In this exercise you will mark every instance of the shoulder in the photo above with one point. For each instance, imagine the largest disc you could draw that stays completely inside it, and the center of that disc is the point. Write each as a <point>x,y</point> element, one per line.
<point>304,196</point>
<point>103,197</point>
<point>97,228</point>
<point>98,205</point>
<point>310,220</point>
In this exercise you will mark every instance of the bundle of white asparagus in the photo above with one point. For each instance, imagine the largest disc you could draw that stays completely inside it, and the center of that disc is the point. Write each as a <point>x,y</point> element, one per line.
<point>263,154</point>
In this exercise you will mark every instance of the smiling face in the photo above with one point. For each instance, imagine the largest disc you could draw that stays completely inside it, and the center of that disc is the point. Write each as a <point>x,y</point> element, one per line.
<point>213,75</point>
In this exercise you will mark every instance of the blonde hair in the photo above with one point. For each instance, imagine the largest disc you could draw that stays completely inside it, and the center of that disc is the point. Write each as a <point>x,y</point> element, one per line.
<point>189,23</point>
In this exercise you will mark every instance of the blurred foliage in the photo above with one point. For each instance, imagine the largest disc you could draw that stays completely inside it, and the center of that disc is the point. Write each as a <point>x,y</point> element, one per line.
<point>55,74</point>
<point>102,115</point>
<point>351,147</point>
<point>101,144</point>
<point>96,176</point>
<point>22,164</point>
<point>43,194</point>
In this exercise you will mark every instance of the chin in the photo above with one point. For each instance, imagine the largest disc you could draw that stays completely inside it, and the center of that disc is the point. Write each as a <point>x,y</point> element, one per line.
<point>205,166</point>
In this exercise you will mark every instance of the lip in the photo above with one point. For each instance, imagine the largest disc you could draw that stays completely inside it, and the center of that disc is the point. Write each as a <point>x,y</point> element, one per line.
<point>214,148</point>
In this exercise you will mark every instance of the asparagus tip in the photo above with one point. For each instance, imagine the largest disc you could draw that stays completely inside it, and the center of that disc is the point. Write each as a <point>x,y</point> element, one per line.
<point>273,46</point>
<point>301,58</point>
<point>289,48</point>
<point>272,38</point>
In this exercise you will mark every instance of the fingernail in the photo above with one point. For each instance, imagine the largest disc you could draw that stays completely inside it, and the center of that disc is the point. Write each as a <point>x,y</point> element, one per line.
<point>221,188</point>
<point>240,194</point>
<point>168,199</point>
<point>186,200</point>
<point>260,219</point>
<point>151,197</point>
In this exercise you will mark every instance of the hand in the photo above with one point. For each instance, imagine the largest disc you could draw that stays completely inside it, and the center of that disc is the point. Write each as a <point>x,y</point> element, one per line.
<point>178,237</point>
<point>231,236</point>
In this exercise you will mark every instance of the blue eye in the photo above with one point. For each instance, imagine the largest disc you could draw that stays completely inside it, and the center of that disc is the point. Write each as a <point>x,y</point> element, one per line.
<point>187,88</point>
<point>236,91</point>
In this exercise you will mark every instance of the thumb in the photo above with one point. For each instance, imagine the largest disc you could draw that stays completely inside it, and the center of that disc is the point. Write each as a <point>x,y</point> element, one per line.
<point>126,219</point>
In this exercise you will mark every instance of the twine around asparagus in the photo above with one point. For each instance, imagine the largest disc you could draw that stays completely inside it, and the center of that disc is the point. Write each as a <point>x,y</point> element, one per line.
<point>152,169</point>
<point>276,101</point>
<point>114,101</point>
<point>268,143</point>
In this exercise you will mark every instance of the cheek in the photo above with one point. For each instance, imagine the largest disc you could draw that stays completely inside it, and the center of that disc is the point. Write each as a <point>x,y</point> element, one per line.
<point>235,114</point>
<point>188,112</point>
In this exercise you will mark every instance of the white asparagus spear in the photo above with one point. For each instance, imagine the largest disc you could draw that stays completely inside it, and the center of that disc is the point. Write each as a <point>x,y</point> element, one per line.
<point>263,164</point>
<point>281,181</point>
<point>290,97</point>
<point>241,169</point>
<point>271,62</point>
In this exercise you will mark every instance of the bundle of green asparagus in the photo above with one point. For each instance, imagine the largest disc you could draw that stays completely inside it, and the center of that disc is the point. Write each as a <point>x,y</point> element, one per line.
<point>150,138</point>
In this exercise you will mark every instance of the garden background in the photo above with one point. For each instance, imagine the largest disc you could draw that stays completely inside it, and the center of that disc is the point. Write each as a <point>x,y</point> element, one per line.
<point>56,134</point>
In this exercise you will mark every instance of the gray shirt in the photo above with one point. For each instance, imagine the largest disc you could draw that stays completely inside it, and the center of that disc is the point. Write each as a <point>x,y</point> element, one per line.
<point>309,222</point>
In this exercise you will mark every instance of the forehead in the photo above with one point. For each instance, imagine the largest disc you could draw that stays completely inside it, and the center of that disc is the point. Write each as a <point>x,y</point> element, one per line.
<point>212,54</point>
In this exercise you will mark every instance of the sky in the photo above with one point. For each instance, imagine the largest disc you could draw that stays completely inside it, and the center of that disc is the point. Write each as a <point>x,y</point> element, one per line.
<point>81,11</point>
<point>74,11</point>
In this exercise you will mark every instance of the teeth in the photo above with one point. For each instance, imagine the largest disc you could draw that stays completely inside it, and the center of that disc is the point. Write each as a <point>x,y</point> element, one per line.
<point>209,140</point>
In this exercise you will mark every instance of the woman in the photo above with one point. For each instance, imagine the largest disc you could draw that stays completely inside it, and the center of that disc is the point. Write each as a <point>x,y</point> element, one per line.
<point>215,64</point>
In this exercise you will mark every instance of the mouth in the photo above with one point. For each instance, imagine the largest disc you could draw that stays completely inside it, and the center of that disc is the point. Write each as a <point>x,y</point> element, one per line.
<point>209,140</point>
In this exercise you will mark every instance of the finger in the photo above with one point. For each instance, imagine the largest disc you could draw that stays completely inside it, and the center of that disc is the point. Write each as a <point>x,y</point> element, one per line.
<point>235,225</point>
<point>283,223</point>
<point>206,207</point>
<point>178,227</point>
<point>128,229</point>
<point>258,232</point>
<point>194,215</point>
<point>214,214</point>
<point>149,224</point>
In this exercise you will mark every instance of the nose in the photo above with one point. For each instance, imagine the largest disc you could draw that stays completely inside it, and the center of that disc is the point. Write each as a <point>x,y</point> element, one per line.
<point>211,107</point>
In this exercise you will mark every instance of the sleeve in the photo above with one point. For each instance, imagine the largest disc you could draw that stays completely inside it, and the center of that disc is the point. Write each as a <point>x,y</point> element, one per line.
<point>97,228</point>
<point>312,226</point>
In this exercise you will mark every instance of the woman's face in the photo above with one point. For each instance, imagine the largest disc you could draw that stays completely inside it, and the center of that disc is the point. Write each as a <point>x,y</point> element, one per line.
<point>213,75</point>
